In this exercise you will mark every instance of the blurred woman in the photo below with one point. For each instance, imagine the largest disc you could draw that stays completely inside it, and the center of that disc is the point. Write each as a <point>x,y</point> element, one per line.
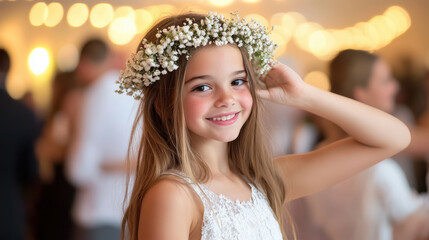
<point>377,204</point>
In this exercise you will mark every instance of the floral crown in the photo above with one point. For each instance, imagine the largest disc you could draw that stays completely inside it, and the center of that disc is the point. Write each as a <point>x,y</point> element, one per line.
<point>155,59</point>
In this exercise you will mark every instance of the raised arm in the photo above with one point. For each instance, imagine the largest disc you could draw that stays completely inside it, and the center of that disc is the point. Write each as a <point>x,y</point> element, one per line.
<point>374,135</point>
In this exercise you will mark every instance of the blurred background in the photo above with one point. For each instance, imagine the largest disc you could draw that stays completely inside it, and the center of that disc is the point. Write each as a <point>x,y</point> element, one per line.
<point>44,36</point>
<point>44,42</point>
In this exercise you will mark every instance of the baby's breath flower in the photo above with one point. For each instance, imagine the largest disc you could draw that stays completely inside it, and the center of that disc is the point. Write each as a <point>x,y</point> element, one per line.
<point>155,59</point>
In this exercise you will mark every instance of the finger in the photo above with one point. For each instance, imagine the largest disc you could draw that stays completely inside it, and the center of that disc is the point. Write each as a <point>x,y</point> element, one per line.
<point>263,93</point>
<point>273,62</point>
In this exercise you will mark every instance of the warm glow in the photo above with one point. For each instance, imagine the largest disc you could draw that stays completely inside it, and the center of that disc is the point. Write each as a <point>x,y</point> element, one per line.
<point>318,79</point>
<point>143,20</point>
<point>38,14</point>
<point>287,20</point>
<point>297,18</point>
<point>38,61</point>
<point>342,38</point>
<point>67,58</point>
<point>400,17</point>
<point>324,43</point>
<point>163,10</point>
<point>251,1</point>
<point>55,14</point>
<point>303,32</point>
<point>125,12</point>
<point>122,30</point>
<point>384,29</point>
<point>101,15</point>
<point>276,19</point>
<point>262,20</point>
<point>16,87</point>
<point>374,36</point>
<point>280,41</point>
<point>284,32</point>
<point>77,14</point>
<point>221,3</point>
<point>321,43</point>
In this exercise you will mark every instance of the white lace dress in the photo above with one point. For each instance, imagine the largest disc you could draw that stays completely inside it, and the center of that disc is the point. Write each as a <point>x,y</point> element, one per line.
<point>235,220</point>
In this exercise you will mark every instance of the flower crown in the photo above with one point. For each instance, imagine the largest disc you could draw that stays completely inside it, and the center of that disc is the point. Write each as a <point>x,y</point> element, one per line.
<point>155,59</point>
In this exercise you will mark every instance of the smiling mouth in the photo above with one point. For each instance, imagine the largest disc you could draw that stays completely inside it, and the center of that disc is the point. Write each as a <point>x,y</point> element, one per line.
<point>225,119</point>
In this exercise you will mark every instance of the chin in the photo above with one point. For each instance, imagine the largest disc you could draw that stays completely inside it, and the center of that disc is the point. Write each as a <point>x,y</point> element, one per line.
<point>228,138</point>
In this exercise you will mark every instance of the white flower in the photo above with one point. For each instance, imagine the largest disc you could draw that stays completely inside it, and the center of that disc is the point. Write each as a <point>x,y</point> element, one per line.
<point>155,59</point>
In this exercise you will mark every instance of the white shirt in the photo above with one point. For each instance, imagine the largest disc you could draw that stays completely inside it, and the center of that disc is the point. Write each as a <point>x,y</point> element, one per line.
<point>366,205</point>
<point>103,136</point>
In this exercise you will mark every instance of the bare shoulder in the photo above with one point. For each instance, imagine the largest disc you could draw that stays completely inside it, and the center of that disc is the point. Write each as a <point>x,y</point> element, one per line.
<point>168,210</point>
<point>168,191</point>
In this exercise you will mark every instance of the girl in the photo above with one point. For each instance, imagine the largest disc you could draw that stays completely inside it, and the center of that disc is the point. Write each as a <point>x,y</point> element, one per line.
<point>204,169</point>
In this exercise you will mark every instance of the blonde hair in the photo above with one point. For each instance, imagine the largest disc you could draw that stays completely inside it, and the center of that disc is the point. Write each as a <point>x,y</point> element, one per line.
<point>165,142</point>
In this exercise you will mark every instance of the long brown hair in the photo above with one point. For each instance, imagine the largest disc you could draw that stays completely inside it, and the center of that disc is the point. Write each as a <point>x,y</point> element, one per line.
<point>165,142</point>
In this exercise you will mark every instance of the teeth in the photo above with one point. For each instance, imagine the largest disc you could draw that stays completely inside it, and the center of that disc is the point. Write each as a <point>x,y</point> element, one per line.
<point>223,118</point>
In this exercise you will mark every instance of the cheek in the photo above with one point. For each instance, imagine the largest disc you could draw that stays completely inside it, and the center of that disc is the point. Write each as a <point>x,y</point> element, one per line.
<point>246,101</point>
<point>194,109</point>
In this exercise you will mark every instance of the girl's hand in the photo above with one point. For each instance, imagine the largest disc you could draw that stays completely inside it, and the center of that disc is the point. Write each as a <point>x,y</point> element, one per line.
<point>284,85</point>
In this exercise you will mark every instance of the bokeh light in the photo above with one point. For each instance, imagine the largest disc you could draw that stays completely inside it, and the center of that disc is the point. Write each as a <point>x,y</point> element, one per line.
<point>16,87</point>
<point>101,15</point>
<point>163,10</point>
<point>321,43</point>
<point>38,14</point>
<point>67,58</point>
<point>318,79</point>
<point>143,20</point>
<point>261,19</point>
<point>280,41</point>
<point>122,30</point>
<point>55,14</point>
<point>221,3</point>
<point>251,1</point>
<point>77,14</point>
<point>303,32</point>
<point>38,60</point>
<point>400,18</point>
<point>125,12</point>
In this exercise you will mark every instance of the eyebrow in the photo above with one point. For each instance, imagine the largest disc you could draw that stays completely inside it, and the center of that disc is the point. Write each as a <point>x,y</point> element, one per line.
<point>211,77</point>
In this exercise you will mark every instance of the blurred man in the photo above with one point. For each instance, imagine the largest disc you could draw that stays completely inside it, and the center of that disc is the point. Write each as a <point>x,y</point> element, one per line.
<point>97,160</point>
<point>18,165</point>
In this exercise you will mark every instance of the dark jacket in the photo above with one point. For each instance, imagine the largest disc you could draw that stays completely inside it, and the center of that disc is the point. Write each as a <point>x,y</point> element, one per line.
<point>18,165</point>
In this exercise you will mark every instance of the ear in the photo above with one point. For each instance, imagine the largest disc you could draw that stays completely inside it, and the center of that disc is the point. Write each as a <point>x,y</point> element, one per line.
<point>360,94</point>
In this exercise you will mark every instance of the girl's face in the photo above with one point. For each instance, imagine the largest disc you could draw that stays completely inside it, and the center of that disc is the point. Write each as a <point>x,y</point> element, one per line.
<point>381,89</point>
<point>216,96</point>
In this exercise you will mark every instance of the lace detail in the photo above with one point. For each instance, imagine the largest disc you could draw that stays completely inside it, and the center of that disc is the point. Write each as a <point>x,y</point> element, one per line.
<point>227,219</point>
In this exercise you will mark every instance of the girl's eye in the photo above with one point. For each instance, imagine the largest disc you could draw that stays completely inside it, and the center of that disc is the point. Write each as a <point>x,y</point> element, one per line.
<point>201,88</point>
<point>238,82</point>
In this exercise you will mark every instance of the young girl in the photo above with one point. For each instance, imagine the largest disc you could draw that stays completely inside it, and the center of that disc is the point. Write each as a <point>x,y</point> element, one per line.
<point>204,169</point>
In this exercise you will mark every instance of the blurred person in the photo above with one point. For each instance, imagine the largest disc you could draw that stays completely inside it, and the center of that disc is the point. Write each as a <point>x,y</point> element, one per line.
<point>18,164</point>
<point>423,120</point>
<point>56,193</point>
<point>378,203</point>
<point>97,157</point>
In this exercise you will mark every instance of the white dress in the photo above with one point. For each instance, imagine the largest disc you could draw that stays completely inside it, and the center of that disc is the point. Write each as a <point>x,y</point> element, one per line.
<point>227,219</point>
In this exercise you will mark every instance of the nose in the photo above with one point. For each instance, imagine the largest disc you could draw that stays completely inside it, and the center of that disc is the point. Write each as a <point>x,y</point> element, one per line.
<point>225,98</point>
